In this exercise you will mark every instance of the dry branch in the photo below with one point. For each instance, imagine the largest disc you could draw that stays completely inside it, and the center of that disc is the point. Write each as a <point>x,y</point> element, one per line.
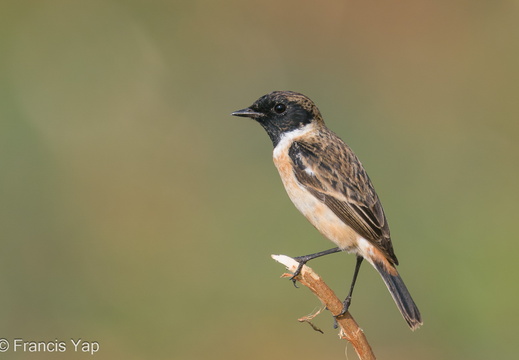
<point>350,330</point>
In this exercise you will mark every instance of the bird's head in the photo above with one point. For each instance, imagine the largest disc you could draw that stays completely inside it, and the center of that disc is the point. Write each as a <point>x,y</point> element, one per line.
<point>281,112</point>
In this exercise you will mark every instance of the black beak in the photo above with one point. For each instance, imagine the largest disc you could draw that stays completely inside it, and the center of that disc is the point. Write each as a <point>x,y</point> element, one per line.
<point>248,112</point>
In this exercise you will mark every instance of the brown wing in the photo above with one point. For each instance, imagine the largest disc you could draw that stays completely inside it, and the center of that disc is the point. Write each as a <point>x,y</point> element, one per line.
<point>334,175</point>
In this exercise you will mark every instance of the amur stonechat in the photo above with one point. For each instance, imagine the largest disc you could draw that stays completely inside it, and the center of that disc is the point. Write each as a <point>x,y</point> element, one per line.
<point>328,184</point>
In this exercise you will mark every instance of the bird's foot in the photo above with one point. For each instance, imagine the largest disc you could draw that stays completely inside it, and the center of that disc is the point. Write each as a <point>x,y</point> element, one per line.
<point>302,261</point>
<point>345,306</point>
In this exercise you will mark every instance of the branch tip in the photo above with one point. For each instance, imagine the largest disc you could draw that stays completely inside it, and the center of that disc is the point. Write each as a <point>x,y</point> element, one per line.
<point>349,329</point>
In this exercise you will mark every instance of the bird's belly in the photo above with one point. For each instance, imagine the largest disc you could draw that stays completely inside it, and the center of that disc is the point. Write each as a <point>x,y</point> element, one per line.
<point>317,212</point>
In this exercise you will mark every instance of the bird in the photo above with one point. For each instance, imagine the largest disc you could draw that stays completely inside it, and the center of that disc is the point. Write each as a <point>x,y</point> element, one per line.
<point>328,184</point>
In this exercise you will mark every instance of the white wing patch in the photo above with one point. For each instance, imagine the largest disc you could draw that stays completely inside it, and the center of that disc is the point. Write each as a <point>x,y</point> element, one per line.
<point>309,171</point>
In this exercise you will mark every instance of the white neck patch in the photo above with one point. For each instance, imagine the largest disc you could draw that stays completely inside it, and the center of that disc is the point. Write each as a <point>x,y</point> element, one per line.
<point>288,138</point>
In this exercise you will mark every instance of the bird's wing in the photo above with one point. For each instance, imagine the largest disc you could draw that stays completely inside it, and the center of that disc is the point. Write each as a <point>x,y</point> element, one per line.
<point>336,177</point>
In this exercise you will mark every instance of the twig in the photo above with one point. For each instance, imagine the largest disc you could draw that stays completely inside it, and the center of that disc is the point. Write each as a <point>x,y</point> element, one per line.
<point>350,330</point>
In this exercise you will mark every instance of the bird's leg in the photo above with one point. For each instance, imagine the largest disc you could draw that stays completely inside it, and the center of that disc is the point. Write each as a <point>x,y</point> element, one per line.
<point>347,301</point>
<point>302,260</point>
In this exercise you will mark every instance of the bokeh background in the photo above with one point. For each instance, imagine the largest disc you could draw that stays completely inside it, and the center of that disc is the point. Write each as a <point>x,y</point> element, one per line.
<point>136,212</point>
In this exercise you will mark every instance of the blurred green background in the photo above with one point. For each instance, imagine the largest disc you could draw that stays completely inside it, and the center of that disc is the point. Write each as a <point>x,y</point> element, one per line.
<point>136,212</point>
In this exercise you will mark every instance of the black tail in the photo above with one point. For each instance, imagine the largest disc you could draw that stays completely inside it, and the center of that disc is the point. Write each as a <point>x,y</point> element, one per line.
<point>402,298</point>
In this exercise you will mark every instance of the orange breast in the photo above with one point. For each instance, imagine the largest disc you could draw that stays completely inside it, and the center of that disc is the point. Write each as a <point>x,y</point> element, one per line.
<point>312,208</point>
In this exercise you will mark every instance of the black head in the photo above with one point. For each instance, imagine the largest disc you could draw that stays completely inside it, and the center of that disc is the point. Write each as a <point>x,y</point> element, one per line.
<point>282,111</point>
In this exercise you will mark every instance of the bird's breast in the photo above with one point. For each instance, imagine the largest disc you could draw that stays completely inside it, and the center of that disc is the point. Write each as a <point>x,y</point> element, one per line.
<point>319,215</point>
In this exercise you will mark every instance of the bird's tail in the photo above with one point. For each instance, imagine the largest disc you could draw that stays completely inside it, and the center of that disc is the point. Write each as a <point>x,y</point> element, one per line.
<point>401,295</point>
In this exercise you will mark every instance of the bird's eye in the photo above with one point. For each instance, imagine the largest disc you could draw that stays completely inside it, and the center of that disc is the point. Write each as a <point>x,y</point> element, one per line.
<point>280,108</point>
